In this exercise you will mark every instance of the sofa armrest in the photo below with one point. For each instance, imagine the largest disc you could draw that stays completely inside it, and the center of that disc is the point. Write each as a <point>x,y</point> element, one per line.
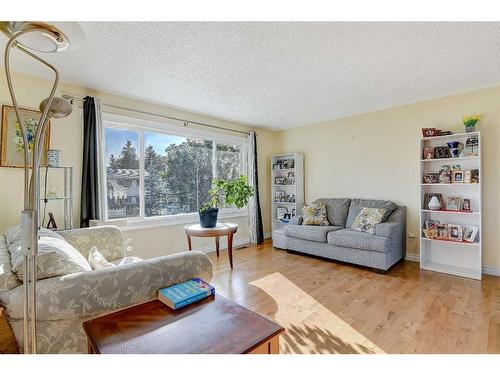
<point>108,239</point>
<point>387,229</point>
<point>296,220</point>
<point>95,293</point>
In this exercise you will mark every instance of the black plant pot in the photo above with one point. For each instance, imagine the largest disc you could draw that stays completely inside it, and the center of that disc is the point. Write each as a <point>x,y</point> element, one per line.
<point>208,217</point>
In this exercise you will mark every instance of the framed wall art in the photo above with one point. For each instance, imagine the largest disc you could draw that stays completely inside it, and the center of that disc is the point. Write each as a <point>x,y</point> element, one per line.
<point>11,141</point>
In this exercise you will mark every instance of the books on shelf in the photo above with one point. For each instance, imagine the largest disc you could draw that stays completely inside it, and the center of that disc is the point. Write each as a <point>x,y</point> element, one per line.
<point>183,294</point>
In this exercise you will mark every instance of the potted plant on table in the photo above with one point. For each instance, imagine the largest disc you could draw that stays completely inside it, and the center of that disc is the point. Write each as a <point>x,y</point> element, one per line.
<point>230,192</point>
<point>470,122</point>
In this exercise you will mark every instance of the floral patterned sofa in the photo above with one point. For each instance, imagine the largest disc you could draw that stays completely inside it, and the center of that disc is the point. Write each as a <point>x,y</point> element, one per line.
<point>64,302</point>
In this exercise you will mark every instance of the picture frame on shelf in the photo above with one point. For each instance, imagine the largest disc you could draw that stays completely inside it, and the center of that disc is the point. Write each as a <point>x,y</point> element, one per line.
<point>428,153</point>
<point>457,177</point>
<point>466,205</point>
<point>428,197</point>
<point>467,177</point>
<point>431,224</point>
<point>442,231</point>
<point>453,203</point>
<point>431,178</point>
<point>474,176</point>
<point>280,180</point>
<point>441,152</point>
<point>280,213</point>
<point>455,232</point>
<point>276,167</point>
<point>279,195</point>
<point>470,233</point>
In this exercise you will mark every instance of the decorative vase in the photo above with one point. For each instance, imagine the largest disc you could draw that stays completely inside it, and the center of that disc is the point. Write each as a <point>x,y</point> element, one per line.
<point>53,158</point>
<point>208,217</point>
<point>434,203</point>
<point>470,129</point>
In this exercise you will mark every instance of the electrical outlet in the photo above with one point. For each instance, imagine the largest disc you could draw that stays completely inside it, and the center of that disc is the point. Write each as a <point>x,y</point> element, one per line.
<point>412,236</point>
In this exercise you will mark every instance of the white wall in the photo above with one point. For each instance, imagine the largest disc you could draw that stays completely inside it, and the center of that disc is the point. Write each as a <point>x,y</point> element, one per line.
<point>376,155</point>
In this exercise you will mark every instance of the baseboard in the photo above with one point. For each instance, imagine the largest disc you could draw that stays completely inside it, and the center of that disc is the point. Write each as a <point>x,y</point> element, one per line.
<point>486,270</point>
<point>491,271</point>
<point>412,257</point>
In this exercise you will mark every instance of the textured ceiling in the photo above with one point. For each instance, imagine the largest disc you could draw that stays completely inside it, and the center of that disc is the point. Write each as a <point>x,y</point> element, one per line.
<point>281,75</point>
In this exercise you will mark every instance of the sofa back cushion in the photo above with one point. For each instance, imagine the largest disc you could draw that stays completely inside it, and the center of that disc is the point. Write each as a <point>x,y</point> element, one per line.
<point>55,257</point>
<point>8,279</point>
<point>336,210</point>
<point>358,204</point>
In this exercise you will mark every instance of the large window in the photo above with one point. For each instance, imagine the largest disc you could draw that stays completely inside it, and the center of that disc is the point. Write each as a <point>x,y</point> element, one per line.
<point>162,173</point>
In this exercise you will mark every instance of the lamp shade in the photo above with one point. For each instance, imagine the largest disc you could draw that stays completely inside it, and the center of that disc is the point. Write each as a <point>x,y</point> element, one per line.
<point>57,37</point>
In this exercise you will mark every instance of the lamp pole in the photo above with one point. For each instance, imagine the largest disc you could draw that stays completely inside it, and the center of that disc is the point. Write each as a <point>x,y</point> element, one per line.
<point>29,215</point>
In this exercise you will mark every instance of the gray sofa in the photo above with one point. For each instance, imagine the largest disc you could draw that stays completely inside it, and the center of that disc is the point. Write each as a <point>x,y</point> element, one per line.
<point>337,241</point>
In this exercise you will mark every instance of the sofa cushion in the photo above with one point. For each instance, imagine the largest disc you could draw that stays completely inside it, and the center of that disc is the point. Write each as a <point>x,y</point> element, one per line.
<point>310,232</point>
<point>55,257</point>
<point>97,260</point>
<point>314,214</point>
<point>367,219</point>
<point>336,210</point>
<point>359,240</point>
<point>8,279</point>
<point>358,204</point>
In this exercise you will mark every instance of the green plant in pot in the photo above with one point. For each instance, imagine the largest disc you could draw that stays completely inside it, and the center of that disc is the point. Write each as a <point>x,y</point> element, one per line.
<point>229,192</point>
<point>470,122</point>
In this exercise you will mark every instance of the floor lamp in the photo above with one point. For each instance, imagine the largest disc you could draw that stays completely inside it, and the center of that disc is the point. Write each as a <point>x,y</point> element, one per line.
<point>40,37</point>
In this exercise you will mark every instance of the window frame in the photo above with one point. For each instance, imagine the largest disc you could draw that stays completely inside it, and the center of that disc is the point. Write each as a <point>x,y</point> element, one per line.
<point>141,126</point>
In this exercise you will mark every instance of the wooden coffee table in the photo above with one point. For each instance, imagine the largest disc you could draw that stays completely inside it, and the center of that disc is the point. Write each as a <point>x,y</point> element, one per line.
<point>221,229</point>
<point>213,325</point>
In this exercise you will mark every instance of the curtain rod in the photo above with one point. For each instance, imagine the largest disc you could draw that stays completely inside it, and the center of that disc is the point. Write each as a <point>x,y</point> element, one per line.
<point>71,98</point>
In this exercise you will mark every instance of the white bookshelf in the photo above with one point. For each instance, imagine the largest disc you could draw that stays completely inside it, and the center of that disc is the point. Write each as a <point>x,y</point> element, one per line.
<point>457,258</point>
<point>293,187</point>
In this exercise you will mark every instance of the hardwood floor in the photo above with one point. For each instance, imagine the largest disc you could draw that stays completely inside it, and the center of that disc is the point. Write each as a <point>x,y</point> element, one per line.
<point>330,307</point>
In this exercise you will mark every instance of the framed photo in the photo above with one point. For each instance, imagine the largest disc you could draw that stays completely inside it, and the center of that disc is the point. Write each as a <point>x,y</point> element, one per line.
<point>431,178</point>
<point>279,196</point>
<point>429,132</point>
<point>454,232</point>
<point>474,176</point>
<point>11,141</point>
<point>441,152</point>
<point>428,196</point>
<point>442,231</point>
<point>470,233</point>
<point>280,180</point>
<point>453,203</point>
<point>466,206</point>
<point>276,167</point>
<point>280,213</point>
<point>431,224</point>
<point>467,177</point>
<point>457,177</point>
<point>428,153</point>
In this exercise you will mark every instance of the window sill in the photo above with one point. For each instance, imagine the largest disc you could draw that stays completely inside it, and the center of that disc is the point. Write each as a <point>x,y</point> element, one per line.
<point>158,222</point>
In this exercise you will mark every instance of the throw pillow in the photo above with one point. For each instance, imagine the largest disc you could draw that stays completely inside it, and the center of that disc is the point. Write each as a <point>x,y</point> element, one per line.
<point>55,257</point>
<point>314,214</point>
<point>97,260</point>
<point>367,219</point>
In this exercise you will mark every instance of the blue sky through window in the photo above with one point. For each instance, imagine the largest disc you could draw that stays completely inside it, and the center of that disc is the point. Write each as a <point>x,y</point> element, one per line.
<point>161,141</point>
<point>116,139</point>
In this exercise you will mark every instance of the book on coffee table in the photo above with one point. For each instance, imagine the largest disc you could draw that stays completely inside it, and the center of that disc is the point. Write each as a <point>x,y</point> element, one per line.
<point>183,294</point>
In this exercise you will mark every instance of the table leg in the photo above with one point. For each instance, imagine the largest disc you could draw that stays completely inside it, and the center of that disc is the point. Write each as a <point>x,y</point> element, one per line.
<point>189,240</point>
<point>230,248</point>
<point>217,245</point>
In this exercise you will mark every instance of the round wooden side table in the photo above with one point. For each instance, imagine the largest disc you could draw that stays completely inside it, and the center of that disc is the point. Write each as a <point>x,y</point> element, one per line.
<point>221,229</point>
